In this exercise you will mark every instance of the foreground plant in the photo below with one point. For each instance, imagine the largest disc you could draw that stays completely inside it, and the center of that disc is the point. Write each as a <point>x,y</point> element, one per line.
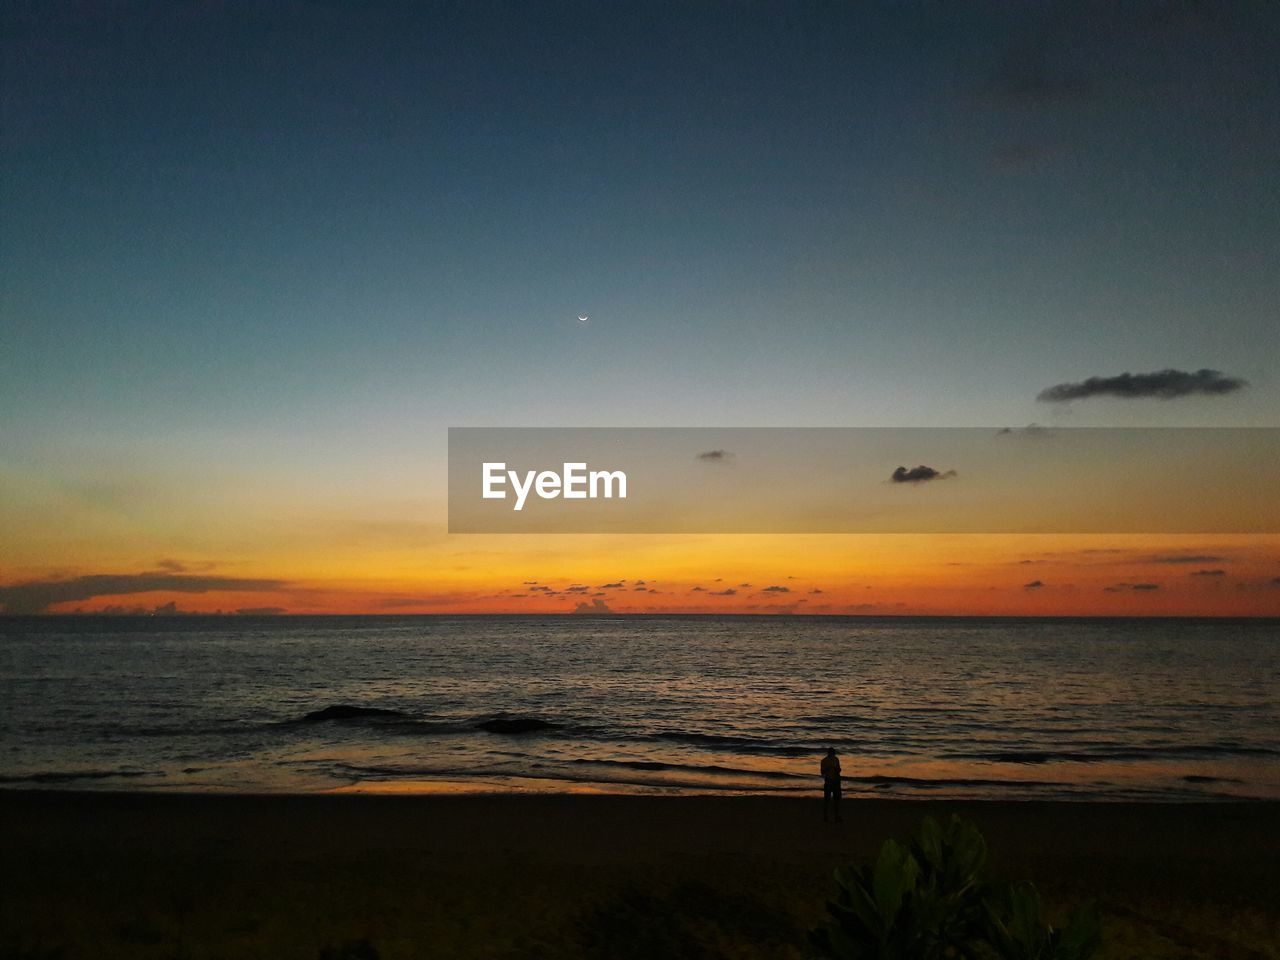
<point>1018,928</point>
<point>927,901</point>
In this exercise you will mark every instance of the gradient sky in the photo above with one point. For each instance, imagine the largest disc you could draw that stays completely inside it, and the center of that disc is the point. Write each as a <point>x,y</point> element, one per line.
<point>257,257</point>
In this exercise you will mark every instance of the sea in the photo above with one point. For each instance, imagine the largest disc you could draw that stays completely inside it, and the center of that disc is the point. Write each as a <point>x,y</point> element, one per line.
<point>1077,709</point>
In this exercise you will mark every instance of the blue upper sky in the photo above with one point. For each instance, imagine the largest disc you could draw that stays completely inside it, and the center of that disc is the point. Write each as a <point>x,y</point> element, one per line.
<point>329,228</point>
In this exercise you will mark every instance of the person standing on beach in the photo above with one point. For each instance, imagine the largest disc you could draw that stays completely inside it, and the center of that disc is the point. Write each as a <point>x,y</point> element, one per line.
<point>830,768</point>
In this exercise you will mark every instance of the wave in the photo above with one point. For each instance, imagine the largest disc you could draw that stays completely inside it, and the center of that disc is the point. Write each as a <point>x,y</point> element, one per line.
<point>399,721</point>
<point>702,777</point>
<point>1112,754</point>
<point>695,768</point>
<point>348,711</point>
<point>945,782</point>
<point>503,723</point>
<point>66,776</point>
<point>743,744</point>
<point>394,722</point>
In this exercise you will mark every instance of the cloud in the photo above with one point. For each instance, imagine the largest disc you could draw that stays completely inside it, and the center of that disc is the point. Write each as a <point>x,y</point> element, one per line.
<point>1026,85</point>
<point>38,595</point>
<point>1163,385</point>
<point>1033,585</point>
<point>919,474</point>
<point>1037,69</point>
<point>1207,573</point>
<point>260,611</point>
<point>714,455</point>
<point>595,606</point>
<point>1183,558</point>
<point>611,586</point>
<point>578,588</point>
<point>1033,430</point>
<point>1029,75</point>
<point>1141,587</point>
<point>727,592</point>
<point>1020,157</point>
<point>169,609</point>
<point>776,589</point>
<point>402,602</point>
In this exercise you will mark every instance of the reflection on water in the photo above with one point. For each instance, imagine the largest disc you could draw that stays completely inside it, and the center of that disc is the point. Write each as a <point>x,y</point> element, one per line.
<point>1161,709</point>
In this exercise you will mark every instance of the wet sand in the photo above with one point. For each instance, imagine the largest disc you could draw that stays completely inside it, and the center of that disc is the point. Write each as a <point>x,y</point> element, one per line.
<point>133,875</point>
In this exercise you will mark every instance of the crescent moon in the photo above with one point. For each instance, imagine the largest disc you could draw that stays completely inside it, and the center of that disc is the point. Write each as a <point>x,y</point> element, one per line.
<point>584,319</point>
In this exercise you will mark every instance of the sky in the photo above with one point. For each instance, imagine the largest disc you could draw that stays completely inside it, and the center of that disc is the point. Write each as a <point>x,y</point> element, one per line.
<point>256,258</point>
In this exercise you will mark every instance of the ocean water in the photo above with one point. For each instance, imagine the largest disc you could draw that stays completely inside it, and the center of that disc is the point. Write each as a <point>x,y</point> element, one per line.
<point>1113,709</point>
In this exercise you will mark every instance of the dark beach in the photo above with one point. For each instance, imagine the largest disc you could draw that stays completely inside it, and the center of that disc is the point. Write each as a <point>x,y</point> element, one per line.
<point>133,875</point>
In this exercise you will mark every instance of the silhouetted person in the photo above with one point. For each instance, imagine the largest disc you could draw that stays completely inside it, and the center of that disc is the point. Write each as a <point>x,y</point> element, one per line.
<point>830,768</point>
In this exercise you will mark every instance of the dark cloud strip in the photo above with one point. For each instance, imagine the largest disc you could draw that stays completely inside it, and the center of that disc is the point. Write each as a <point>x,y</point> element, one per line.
<point>1162,385</point>
<point>37,596</point>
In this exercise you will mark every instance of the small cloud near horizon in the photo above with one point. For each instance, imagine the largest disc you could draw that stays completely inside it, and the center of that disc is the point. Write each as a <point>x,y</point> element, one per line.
<point>595,606</point>
<point>1030,430</point>
<point>1033,585</point>
<point>920,474</point>
<point>714,455</point>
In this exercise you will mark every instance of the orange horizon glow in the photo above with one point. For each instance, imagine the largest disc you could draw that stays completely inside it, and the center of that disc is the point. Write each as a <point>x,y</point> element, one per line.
<point>871,575</point>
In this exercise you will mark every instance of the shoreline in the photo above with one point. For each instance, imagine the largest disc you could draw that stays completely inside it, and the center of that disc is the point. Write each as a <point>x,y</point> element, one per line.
<point>619,615</point>
<point>554,788</point>
<point>129,874</point>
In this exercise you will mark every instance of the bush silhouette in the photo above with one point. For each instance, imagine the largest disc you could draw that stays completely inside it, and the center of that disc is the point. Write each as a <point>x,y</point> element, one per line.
<point>927,900</point>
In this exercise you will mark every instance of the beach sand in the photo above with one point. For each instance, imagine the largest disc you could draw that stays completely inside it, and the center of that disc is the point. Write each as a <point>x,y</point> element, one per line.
<point>194,876</point>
